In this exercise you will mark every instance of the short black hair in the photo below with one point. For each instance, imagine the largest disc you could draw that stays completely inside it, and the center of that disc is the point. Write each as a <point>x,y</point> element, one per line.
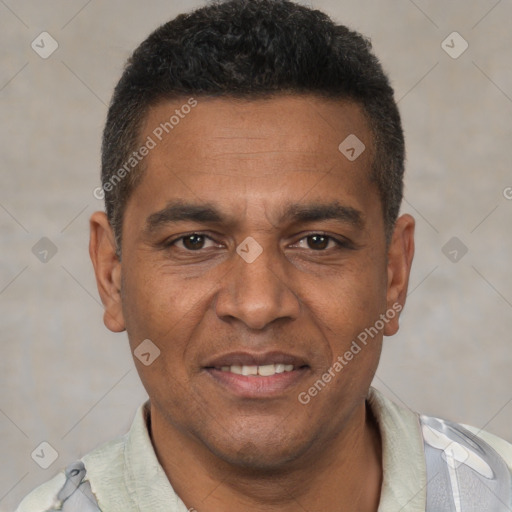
<point>251,49</point>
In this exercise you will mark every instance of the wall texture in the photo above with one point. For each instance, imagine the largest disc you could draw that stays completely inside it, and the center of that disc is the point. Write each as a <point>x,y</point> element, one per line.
<point>68,381</point>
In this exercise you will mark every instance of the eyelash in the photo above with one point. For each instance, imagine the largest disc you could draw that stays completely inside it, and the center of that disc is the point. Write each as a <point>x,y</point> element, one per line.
<point>340,244</point>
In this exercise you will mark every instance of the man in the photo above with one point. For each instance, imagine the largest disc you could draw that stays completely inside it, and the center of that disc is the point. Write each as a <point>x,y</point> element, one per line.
<point>252,249</point>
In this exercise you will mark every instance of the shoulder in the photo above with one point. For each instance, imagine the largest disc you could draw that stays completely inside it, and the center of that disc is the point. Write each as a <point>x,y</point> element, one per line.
<point>449,436</point>
<point>104,471</point>
<point>500,446</point>
<point>103,459</point>
<point>406,421</point>
<point>44,497</point>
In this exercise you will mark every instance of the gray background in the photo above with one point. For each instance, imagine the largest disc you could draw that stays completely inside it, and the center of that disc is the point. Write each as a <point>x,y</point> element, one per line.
<point>66,380</point>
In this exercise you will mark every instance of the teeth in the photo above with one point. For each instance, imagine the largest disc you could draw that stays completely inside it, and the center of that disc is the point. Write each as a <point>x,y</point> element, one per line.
<point>266,370</point>
<point>235,369</point>
<point>249,370</point>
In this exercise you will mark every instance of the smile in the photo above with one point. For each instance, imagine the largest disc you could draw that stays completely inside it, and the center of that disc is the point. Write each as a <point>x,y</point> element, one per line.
<point>266,370</point>
<point>265,381</point>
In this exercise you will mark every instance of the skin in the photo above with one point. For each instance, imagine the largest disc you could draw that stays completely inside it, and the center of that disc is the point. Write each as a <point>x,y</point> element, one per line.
<point>301,295</point>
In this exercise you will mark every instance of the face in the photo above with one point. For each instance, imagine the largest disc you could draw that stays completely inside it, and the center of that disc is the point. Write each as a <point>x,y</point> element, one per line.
<point>253,256</point>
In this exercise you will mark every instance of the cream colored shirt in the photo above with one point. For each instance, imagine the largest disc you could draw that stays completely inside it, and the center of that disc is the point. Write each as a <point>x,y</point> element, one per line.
<point>126,476</point>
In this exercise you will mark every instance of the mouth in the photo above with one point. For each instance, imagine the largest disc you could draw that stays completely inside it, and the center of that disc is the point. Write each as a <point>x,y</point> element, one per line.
<point>257,375</point>
<point>266,370</point>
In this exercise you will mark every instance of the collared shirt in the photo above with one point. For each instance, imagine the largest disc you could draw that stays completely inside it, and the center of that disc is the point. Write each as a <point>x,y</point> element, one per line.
<point>126,476</point>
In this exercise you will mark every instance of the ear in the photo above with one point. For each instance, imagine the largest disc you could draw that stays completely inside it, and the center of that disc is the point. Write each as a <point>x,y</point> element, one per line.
<point>400,255</point>
<point>107,267</point>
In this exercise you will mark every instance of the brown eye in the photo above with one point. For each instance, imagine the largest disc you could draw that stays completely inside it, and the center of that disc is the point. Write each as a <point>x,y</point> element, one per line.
<point>193,242</point>
<point>318,242</point>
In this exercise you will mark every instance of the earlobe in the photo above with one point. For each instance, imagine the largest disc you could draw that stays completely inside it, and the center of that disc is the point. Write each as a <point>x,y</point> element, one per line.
<point>400,256</point>
<point>107,269</point>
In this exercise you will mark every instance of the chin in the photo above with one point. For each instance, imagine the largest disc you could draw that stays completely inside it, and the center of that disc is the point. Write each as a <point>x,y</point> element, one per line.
<point>259,455</point>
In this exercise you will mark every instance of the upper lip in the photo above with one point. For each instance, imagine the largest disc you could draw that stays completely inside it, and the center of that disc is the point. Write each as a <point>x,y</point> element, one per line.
<point>255,359</point>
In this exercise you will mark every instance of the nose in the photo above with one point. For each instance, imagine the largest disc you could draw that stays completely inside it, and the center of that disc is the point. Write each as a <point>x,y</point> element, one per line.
<point>257,292</point>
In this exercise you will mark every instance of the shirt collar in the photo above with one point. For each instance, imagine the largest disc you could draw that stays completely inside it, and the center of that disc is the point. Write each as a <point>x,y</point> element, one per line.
<point>145,479</point>
<point>403,457</point>
<point>404,479</point>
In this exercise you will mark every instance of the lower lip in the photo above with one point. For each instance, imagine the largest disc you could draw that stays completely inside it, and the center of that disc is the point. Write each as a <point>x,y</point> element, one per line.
<point>253,386</point>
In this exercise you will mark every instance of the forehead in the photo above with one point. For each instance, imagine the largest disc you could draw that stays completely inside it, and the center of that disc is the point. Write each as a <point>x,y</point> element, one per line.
<point>309,126</point>
<point>261,151</point>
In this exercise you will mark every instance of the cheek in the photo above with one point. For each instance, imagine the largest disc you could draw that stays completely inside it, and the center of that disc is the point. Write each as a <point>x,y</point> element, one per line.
<point>149,305</point>
<point>147,290</point>
<point>355,293</point>
<point>349,308</point>
<point>164,309</point>
<point>155,312</point>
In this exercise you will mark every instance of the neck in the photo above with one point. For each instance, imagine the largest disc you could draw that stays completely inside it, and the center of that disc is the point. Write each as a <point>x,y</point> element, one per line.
<point>343,474</point>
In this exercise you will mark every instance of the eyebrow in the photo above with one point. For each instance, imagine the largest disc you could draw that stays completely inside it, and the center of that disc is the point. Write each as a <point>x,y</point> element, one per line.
<point>300,212</point>
<point>179,211</point>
